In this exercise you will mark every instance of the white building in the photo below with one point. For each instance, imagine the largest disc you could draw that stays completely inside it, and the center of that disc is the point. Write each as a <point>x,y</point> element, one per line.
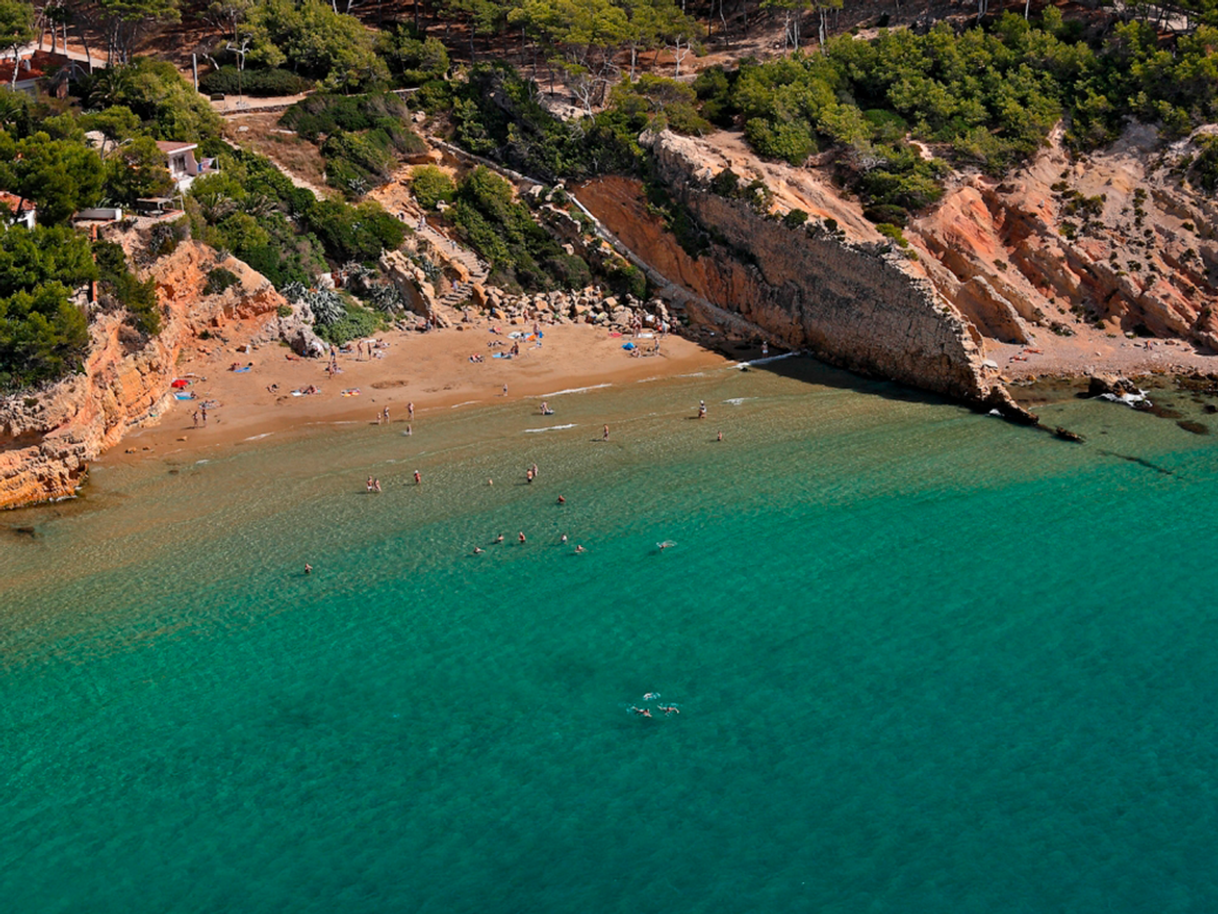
<point>182,164</point>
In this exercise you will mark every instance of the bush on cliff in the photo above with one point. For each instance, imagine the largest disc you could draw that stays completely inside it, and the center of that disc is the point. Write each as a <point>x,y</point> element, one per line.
<point>118,286</point>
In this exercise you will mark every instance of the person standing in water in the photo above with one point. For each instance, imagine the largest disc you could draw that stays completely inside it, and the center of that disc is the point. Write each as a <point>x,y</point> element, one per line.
<point>418,478</point>
<point>605,435</point>
<point>308,568</point>
<point>410,410</point>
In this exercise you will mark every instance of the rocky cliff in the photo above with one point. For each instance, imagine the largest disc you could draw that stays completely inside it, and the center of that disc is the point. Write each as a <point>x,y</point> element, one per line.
<point>48,437</point>
<point>1112,243</point>
<point>840,289</point>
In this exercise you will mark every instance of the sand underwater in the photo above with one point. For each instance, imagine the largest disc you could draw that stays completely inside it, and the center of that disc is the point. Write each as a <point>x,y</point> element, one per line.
<point>924,661</point>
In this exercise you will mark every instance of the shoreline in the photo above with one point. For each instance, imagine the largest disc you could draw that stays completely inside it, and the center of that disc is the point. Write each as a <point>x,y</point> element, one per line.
<point>431,370</point>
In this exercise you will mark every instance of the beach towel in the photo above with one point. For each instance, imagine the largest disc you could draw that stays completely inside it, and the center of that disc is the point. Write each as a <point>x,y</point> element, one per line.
<point>240,370</point>
<point>183,396</point>
<point>628,346</point>
<point>502,355</point>
<point>352,392</point>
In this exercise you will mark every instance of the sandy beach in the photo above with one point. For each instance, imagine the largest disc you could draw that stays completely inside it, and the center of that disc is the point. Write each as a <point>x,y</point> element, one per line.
<point>431,370</point>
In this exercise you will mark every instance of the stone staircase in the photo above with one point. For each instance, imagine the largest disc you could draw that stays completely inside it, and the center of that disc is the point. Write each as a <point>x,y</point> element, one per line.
<point>453,253</point>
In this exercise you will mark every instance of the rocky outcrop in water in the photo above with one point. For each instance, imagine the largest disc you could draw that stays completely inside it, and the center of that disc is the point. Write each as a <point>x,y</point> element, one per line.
<point>48,437</point>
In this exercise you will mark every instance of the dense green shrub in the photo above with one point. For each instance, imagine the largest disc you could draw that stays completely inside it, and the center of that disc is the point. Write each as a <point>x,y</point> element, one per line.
<point>713,87</point>
<point>155,91</point>
<point>119,286</point>
<point>412,61</point>
<point>356,322</point>
<point>357,233</point>
<point>654,103</point>
<point>521,252</point>
<point>496,114</point>
<point>43,336</point>
<point>322,114</point>
<point>219,279</point>
<point>430,185</point>
<point>258,83</point>
<point>1203,171</point>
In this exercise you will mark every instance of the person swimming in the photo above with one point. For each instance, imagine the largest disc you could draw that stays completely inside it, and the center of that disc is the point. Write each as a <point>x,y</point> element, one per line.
<point>308,568</point>
<point>664,545</point>
<point>561,500</point>
<point>563,539</point>
<point>521,537</point>
<point>651,696</point>
<point>499,538</point>
<point>669,709</point>
<point>641,712</point>
<point>580,550</point>
<point>477,550</point>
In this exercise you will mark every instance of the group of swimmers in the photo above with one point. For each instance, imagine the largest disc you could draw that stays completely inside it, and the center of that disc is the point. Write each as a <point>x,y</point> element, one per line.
<point>668,709</point>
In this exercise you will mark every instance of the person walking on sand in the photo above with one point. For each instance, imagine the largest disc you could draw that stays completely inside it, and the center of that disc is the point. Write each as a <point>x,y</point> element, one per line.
<point>203,409</point>
<point>385,415</point>
<point>418,478</point>
<point>196,418</point>
<point>505,390</point>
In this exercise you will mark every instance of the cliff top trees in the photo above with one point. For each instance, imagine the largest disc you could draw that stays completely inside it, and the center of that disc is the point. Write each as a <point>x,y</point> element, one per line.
<point>124,22</point>
<point>42,335</point>
<point>310,38</point>
<point>60,176</point>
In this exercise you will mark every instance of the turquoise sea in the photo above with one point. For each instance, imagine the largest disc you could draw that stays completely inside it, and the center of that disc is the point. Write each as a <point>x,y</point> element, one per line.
<point>925,661</point>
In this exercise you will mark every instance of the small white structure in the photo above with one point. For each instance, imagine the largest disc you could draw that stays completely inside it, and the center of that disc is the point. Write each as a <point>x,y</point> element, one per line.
<point>21,211</point>
<point>182,164</point>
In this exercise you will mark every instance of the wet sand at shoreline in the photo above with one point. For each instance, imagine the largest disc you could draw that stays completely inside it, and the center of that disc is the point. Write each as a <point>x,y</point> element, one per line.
<point>431,370</point>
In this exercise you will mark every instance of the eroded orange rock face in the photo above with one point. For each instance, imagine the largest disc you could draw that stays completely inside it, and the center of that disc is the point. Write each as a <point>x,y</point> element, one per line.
<point>1114,239</point>
<point>48,438</point>
<point>837,286</point>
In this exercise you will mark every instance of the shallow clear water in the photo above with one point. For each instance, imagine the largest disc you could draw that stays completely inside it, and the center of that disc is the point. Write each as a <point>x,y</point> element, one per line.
<point>925,661</point>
